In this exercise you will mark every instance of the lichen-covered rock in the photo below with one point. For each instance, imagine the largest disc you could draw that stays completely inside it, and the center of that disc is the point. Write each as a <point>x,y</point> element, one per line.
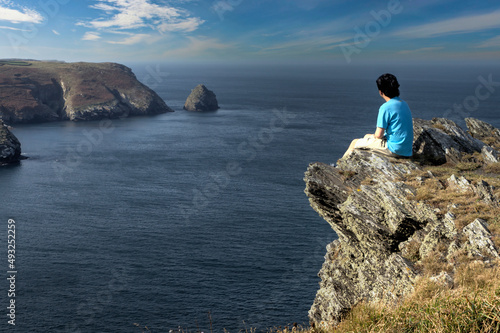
<point>482,130</point>
<point>201,99</point>
<point>443,279</point>
<point>440,140</point>
<point>485,192</point>
<point>489,135</point>
<point>460,184</point>
<point>490,155</point>
<point>479,237</point>
<point>385,234</point>
<point>439,232</point>
<point>371,220</point>
<point>52,91</point>
<point>10,147</point>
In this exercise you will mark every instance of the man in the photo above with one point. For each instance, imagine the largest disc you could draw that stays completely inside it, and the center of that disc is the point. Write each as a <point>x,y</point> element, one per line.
<point>394,133</point>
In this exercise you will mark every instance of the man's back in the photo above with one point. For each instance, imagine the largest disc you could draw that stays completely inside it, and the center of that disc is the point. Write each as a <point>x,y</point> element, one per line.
<point>395,117</point>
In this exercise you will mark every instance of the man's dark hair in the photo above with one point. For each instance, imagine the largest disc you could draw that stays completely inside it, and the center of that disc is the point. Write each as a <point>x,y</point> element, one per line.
<point>388,84</point>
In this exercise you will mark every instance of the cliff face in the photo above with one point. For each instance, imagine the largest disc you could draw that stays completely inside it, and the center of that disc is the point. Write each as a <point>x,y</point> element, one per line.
<point>388,229</point>
<point>50,91</point>
<point>10,148</point>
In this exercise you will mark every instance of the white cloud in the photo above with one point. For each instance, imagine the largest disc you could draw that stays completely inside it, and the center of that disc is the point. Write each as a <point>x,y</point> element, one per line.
<point>492,42</point>
<point>56,32</point>
<point>23,15</point>
<point>134,14</point>
<point>458,25</point>
<point>91,36</point>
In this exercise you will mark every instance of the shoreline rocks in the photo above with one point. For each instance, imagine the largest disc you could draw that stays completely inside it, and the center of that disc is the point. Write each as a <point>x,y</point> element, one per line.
<point>201,99</point>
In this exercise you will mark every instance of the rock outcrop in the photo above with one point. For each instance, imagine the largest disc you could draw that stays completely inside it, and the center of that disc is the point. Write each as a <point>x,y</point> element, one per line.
<point>386,228</point>
<point>201,99</point>
<point>37,91</point>
<point>440,140</point>
<point>10,148</point>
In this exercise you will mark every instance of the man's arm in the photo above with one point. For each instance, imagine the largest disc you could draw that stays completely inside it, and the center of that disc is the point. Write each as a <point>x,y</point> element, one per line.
<point>379,133</point>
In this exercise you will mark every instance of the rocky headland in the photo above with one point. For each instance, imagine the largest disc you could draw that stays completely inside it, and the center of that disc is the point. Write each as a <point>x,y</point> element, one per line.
<point>201,99</point>
<point>39,91</point>
<point>10,147</point>
<point>399,221</point>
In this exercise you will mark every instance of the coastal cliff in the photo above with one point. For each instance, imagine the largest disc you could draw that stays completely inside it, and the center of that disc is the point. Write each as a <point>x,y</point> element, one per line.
<point>10,147</point>
<point>401,220</point>
<point>37,91</point>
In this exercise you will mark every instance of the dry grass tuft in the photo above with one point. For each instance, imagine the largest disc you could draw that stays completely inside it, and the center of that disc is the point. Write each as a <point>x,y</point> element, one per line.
<point>439,127</point>
<point>468,166</point>
<point>492,168</point>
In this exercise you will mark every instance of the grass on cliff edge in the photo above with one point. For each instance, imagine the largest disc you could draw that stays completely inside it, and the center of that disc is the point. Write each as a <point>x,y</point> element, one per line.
<point>472,306</point>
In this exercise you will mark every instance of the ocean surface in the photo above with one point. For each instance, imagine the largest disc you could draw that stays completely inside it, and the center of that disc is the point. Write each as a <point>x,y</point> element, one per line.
<point>198,220</point>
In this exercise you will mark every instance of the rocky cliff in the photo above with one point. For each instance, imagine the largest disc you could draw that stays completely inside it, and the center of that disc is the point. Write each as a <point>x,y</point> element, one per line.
<point>398,220</point>
<point>36,91</point>
<point>10,148</point>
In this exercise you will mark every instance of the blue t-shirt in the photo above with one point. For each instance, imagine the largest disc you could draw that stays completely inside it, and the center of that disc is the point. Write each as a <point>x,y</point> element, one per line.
<point>395,117</point>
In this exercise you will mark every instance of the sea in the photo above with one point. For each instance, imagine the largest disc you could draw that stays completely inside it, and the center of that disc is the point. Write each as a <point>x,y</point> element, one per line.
<point>198,222</point>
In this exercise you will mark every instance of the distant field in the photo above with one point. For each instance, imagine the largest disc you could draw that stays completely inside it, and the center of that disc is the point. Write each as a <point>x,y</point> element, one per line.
<point>14,63</point>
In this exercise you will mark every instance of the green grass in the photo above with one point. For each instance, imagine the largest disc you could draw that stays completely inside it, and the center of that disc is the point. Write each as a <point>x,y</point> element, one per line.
<point>14,63</point>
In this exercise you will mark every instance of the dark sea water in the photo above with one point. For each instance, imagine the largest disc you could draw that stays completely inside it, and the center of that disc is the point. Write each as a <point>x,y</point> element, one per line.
<point>183,219</point>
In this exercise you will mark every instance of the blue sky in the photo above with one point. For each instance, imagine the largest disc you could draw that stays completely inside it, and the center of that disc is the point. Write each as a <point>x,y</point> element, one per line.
<point>338,31</point>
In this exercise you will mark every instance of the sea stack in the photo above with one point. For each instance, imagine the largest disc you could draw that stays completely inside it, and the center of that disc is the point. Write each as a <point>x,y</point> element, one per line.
<point>10,147</point>
<point>201,99</point>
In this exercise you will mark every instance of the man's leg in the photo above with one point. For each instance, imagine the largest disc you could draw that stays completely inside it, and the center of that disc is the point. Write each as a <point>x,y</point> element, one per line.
<point>351,148</point>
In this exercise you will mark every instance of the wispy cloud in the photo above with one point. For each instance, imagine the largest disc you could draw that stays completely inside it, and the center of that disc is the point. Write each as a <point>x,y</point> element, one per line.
<point>135,14</point>
<point>458,25</point>
<point>306,45</point>
<point>199,47</point>
<point>306,40</point>
<point>90,35</point>
<point>21,15</point>
<point>421,50</point>
<point>187,25</point>
<point>14,29</point>
<point>56,32</point>
<point>137,38</point>
<point>492,42</point>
